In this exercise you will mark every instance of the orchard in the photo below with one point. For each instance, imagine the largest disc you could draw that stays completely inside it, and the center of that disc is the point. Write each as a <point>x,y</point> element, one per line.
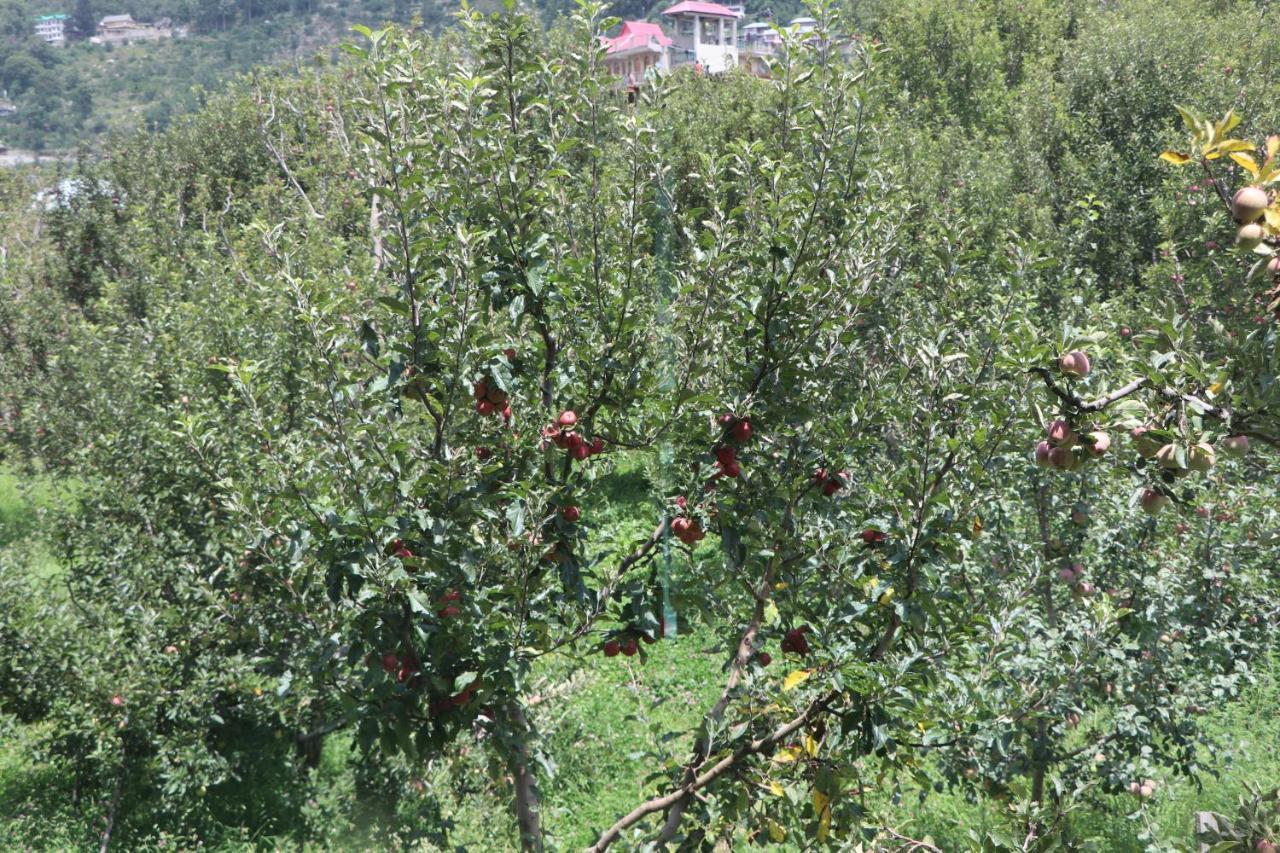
<point>955,506</point>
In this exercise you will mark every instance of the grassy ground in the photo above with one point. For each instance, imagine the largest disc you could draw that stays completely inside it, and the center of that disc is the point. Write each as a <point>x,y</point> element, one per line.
<point>609,723</point>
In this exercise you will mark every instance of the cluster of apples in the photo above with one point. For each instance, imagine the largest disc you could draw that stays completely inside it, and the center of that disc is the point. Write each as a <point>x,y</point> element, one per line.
<point>1143,790</point>
<point>448,601</point>
<point>491,400</point>
<point>627,644</point>
<point>738,431</point>
<point>1073,576</point>
<point>830,481</point>
<point>444,703</point>
<point>402,668</point>
<point>687,530</point>
<point>563,435</point>
<point>794,641</point>
<point>1179,460</point>
<point>1247,207</point>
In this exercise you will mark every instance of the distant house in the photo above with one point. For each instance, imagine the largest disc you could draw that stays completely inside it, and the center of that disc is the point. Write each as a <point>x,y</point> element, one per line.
<point>638,47</point>
<point>53,29</point>
<point>123,29</point>
<point>705,33</point>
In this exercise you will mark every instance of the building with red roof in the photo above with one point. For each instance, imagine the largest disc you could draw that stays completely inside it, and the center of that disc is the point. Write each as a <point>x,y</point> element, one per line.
<point>636,48</point>
<point>705,33</point>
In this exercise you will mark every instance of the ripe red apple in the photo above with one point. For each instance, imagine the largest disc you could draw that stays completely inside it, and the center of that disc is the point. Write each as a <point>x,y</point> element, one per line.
<point>1061,434</point>
<point>1066,574</point>
<point>830,487</point>
<point>580,452</point>
<point>731,469</point>
<point>483,453</point>
<point>1249,236</point>
<point>612,648</point>
<point>570,513</point>
<point>872,537</point>
<point>449,595</point>
<point>390,661</point>
<point>1074,363</point>
<point>1079,517</point>
<point>1248,204</point>
<point>448,611</point>
<point>629,647</point>
<point>1042,454</point>
<point>682,501</point>
<point>1235,445</point>
<point>465,696</point>
<point>510,353</point>
<point>680,526</point>
<point>597,445</point>
<point>506,413</point>
<point>480,389</point>
<point>1098,443</point>
<point>568,418</point>
<point>1152,501</point>
<point>725,455</point>
<point>117,700</point>
<point>741,431</point>
<point>1273,265</point>
<point>764,658</point>
<point>725,418</point>
<point>1125,332</point>
<point>574,440</point>
<point>819,476</point>
<point>1062,459</point>
<point>484,407</point>
<point>1266,846</point>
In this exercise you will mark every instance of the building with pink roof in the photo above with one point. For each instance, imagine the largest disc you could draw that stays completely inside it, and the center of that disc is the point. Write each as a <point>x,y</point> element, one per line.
<point>636,48</point>
<point>705,32</point>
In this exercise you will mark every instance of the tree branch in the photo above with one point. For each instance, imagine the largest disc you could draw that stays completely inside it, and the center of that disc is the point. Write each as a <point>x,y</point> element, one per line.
<point>721,767</point>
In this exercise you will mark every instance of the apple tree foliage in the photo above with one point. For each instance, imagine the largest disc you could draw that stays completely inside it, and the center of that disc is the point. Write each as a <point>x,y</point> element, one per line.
<point>337,390</point>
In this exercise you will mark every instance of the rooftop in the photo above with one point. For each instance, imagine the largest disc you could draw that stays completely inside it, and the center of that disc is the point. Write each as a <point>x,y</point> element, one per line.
<point>59,17</point>
<point>635,34</point>
<point>700,7</point>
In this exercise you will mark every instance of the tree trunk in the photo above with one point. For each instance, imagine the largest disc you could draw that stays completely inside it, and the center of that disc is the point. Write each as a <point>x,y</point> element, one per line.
<point>526,789</point>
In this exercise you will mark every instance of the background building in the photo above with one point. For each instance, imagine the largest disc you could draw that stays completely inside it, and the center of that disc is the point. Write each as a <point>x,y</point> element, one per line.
<point>53,29</point>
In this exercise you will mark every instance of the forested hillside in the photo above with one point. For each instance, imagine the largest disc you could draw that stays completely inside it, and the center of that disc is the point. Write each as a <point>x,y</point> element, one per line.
<point>434,448</point>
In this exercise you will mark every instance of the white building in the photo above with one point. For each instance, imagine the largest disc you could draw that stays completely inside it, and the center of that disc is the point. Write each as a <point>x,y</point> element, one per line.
<point>705,33</point>
<point>53,29</point>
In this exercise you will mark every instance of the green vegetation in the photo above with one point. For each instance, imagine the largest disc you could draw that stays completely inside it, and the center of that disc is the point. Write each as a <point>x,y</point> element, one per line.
<point>365,426</point>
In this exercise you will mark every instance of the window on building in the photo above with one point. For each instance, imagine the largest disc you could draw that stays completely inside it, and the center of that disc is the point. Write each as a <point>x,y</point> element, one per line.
<point>686,27</point>
<point>710,31</point>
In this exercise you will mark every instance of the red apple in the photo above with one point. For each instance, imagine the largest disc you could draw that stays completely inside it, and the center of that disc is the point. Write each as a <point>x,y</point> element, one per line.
<point>580,452</point>
<point>764,658</point>
<point>1074,363</point>
<point>741,431</point>
<point>725,455</point>
<point>1248,204</point>
<point>483,453</point>
<point>1201,458</point>
<point>484,407</point>
<point>611,649</point>
<point>570,513</point>
<point>1061,434</point>
<point>873,537</point>
<point>1042,454</point>
<point>629,647</point>
<point>597,445</point>
<point>568,418</point>
<point>732,469</point>
<point>1152,501</point>
<point>1235,445</point>
<point>1098,443</point>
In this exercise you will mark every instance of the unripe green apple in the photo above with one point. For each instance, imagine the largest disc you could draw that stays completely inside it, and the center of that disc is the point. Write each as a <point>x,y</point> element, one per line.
<point>1249,236</point>
<point>1248,203</point>
<point>1235,445</point>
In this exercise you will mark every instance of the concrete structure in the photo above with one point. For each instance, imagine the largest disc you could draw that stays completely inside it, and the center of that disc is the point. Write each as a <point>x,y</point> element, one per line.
<point>53,29</point>
<point>123,29</point>
<point>638,47</point>
<point>705,33</point>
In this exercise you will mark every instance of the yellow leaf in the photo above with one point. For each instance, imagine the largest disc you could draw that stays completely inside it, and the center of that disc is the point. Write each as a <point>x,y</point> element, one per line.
<point>775,788</point>
<point>786,755</point>
<point>1245,162</point>
<point>1273,217</point>
<point>822,808</point>
<point>795,678</point>
<point>886,598</point>
<point>1273,146</point>
<point>1177,158</point>
<point>776,832</point>
<point>780,586</point>
<point>1215,388</point>
<point>977,525</point>
<point>811,746</point>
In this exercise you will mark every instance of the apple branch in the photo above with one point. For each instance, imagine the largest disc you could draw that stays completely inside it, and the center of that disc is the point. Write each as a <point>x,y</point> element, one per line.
<point>1093,406</point>
<point>717,770</point>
